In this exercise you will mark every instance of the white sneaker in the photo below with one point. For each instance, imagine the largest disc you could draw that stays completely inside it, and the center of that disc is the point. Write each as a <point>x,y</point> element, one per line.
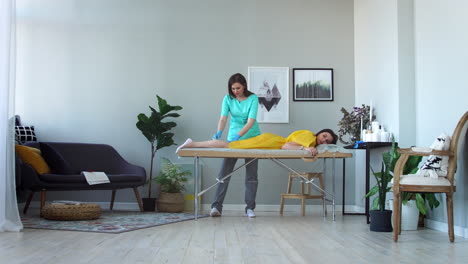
<point>250,213</point>
<point>214,212</point>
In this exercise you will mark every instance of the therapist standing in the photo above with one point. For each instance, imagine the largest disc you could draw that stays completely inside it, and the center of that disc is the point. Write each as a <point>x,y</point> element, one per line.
<point>243,106</point>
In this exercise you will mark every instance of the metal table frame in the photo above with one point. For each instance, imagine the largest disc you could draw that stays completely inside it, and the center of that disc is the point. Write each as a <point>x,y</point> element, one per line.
<point>218,153</point>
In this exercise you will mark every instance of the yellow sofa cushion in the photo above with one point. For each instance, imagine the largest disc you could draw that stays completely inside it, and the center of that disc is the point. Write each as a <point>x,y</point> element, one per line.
<point>33,157</point>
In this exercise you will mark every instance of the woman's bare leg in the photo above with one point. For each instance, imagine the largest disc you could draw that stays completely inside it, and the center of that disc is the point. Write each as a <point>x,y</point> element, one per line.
<point>189,143</point>
<point>207,144</point>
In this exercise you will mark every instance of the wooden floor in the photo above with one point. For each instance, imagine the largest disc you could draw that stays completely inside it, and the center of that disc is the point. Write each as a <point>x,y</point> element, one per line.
<point>233,238</point>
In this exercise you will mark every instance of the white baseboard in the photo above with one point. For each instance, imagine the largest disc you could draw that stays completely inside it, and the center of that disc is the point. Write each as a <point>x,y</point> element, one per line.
<point>441,226</point>
<point>287,208</point>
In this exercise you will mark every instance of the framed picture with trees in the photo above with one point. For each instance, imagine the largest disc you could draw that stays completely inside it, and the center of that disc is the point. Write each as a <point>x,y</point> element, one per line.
<point>312,84</point>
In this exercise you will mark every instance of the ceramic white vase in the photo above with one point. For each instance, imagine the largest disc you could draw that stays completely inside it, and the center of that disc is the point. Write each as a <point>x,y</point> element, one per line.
<point>409,215</point>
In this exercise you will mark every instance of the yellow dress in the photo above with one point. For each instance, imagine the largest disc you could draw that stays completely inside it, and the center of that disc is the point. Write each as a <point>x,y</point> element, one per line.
<point>304,138</point>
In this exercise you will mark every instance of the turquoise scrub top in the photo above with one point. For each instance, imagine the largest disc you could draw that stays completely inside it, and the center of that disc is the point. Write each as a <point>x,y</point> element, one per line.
<point>240,113</point>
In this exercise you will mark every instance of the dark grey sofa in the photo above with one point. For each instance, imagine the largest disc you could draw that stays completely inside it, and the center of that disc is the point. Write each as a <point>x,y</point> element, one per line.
<point>68,160</point>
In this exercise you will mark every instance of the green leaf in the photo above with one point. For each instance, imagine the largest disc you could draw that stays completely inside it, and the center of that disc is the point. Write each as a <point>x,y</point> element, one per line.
<point>374,190</point>
<point>411,165</point>
<point>375,204</point>
<point>405,197</point>
<point>431,200</point>
<point>171,115</point>
<point>143,118</point>
<point>421,204</point>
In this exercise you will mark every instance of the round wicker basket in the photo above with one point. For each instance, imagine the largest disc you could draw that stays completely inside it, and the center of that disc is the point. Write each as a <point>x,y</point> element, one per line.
<point>69,212</point>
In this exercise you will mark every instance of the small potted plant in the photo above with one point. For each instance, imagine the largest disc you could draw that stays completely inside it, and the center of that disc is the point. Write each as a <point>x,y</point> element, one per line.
<point>352,123</point>
<point>157,132</point>
<point>171,180</point>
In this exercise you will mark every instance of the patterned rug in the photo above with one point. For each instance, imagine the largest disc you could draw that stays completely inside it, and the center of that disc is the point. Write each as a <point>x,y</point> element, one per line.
<point>110,222</point>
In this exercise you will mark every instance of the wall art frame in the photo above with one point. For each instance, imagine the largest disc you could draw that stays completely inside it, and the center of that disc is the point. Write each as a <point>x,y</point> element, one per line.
<point>312,84</point>
<point>271,85</point>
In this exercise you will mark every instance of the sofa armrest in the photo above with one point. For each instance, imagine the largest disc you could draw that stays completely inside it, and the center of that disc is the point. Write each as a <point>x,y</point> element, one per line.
<point>28,176</point>
<point>18,164</point>
<point>132,169</point>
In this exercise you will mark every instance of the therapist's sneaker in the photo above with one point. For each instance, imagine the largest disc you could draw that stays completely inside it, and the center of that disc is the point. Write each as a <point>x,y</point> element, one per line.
<point>250,213</point>
<point>214,212</point>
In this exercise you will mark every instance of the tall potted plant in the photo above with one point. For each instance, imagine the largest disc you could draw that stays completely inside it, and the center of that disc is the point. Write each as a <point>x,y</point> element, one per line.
<point>381,218</point>
<point>157,132</point>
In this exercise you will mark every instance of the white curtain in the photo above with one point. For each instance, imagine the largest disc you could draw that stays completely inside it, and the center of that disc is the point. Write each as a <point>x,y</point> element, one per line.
<point>9,215</point>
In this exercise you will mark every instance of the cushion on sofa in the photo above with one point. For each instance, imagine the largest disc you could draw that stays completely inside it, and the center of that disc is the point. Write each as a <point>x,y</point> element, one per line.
<point>25,134</point>
<point>56,162</point>
<point>33,157</point>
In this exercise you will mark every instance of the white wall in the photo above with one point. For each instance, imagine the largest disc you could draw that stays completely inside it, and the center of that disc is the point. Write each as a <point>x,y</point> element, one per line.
<point>376,74</point>
<point>422,43</point>
<point>441,92</point>
<point>376,59</point>
<point>87,68</point>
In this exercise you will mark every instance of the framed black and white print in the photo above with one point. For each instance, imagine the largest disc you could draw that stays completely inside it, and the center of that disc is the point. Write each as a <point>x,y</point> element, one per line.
<point>313,84</point>
<point>271,85</point>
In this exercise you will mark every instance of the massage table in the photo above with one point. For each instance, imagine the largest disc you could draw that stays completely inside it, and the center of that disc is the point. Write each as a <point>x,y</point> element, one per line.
<point>274,155</point>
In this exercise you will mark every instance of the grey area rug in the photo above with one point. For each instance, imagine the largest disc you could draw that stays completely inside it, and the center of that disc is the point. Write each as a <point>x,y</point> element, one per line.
<point>110,222</point>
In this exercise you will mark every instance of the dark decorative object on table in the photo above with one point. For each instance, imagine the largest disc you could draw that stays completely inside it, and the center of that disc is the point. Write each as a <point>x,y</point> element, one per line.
<point>171,180</point>
<point>157,133</point>
<point>352,123</point>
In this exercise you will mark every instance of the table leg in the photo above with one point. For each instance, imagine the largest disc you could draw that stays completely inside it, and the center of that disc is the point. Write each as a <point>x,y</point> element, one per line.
<point>196,187</point>
<point>333,186</point>
<point>344,189</point>
<point>367,183</point>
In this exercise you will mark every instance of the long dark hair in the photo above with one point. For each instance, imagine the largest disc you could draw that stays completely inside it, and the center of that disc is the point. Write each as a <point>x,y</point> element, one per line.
<point>327,130</point>
<point>238,78</point>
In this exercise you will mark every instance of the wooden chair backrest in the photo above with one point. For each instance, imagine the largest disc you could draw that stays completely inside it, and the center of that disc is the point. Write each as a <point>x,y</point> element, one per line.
<point>452,167</point>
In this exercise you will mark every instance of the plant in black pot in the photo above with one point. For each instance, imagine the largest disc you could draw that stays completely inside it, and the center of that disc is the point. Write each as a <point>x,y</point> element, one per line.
<point>381,218</point>
<point>159,136</point>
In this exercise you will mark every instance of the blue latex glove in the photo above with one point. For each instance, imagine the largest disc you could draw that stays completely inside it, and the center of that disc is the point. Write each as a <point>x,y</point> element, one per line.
<point>357,144</point>
<point>235,138</point>
<point>217,135</point>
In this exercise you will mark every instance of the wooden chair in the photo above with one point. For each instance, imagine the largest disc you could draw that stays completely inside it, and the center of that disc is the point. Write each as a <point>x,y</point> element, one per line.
<point>303,196</point>
<point>442,185</point>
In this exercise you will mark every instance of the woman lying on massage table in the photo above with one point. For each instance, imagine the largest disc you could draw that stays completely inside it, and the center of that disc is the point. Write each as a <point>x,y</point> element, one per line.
<point>301,139</point>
